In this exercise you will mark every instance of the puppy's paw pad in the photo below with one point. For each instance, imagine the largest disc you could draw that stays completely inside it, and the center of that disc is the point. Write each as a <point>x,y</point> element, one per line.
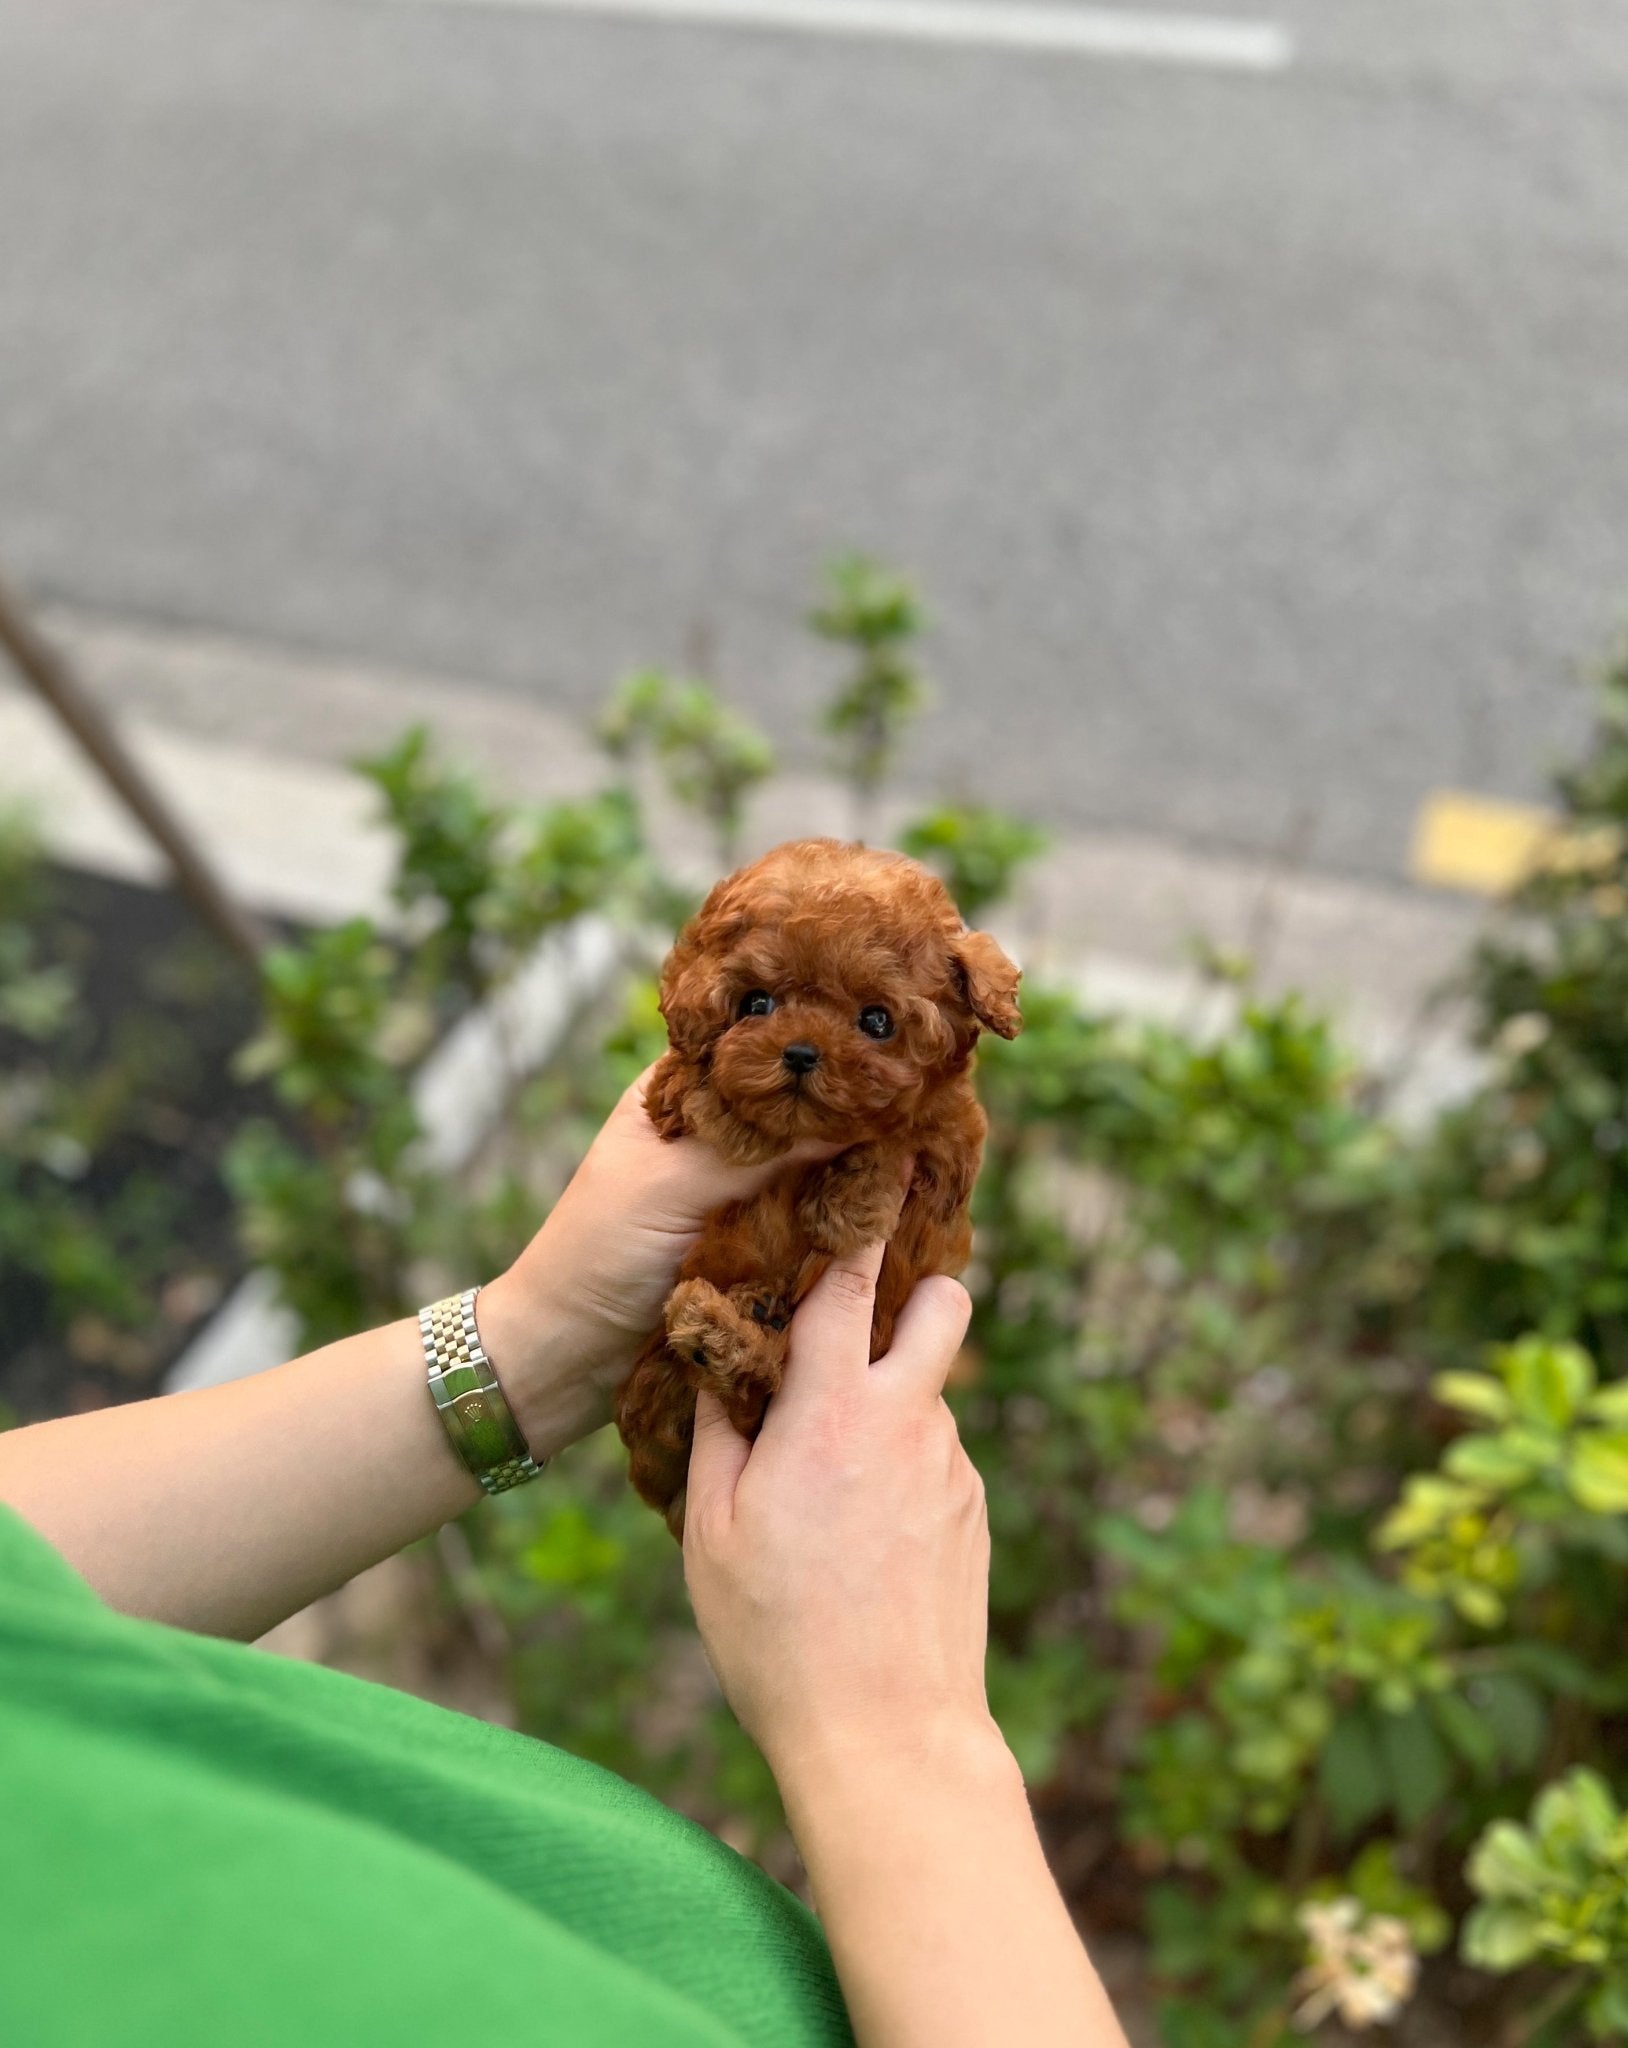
<point>770,1311</point>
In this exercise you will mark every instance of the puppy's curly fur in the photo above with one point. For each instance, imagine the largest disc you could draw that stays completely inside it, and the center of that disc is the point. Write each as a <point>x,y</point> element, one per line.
<point>828,991</point>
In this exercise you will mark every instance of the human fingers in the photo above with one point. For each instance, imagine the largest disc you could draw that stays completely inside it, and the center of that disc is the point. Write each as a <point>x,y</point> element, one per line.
<point>608,1254</point>
<point>718,1457</point>
<point>830,1343</point>
<point>927,1336</point>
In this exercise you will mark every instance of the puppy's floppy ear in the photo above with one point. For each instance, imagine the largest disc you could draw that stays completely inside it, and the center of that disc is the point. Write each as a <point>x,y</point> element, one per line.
<point>664,1094</point>
<point>692,999</point>
<point>989,981</point>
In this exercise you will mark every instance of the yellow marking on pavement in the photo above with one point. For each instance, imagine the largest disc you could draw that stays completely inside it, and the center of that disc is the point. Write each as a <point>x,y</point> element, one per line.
<point>1489,846</point>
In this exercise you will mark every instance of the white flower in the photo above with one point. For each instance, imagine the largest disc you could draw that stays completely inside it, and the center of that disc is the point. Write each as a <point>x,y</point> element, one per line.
<point>1363,1968</point>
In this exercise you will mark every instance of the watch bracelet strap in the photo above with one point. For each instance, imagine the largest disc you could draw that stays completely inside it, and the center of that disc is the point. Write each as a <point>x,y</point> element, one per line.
<point>469,1399</point>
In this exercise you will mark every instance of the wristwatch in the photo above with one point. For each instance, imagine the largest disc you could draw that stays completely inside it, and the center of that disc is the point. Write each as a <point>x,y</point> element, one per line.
<point>465,1388</point>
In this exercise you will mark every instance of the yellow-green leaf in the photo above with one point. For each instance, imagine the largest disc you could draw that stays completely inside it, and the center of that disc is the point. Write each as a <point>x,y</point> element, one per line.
<point>1597,1471</point>
<point>1610,1404</point>
<point>1491,1461</point>
<point>1549,1381</point>
<point>1474,1393</point>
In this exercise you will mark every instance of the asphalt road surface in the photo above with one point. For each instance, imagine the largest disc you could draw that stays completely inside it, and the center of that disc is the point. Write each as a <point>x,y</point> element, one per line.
<point>1260,435</point>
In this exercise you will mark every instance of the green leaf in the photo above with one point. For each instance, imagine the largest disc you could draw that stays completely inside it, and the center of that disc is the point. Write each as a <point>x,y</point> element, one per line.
<point>1608,2005</point>
<point>1492,1461</point>
<point>1549,1381</point>
<point>1269,1756</point>
<point>1467,1732</point>
<point>569,1551</point>
<point>1506,1863</point>
<point>1562,1672</point>
<point>1427,1502</point>
<point>1500,1937</point>
<point>1474,1393</point>
<point>1194,2023</point>
<point>1180,1932</point>
<point>1597,1471</point>
<point>1515,1712</point>
<point>1609,1404</point>
<point>1479,1605</point>
<point>1416,1764</point>
<point>1351,1773</point>
<point>1593,1812</point>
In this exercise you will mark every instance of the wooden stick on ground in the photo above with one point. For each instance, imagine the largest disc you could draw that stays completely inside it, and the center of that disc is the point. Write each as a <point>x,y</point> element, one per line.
<point>89,725</point>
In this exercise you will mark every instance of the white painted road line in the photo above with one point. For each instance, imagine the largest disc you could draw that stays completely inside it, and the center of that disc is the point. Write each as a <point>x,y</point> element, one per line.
<point>1259,46</point>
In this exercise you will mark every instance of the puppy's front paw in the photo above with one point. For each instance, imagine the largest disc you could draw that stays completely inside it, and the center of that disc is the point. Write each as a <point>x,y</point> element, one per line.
<point>852,1202</point>
<point>737,1339</point>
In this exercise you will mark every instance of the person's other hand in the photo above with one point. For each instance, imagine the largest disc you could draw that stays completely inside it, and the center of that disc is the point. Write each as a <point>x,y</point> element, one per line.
<point>839,1566</point>
<point>564,1324</point>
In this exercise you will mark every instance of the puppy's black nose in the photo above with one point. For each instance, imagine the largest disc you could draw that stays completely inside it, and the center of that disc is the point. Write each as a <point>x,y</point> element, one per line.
<point>801,1057</point>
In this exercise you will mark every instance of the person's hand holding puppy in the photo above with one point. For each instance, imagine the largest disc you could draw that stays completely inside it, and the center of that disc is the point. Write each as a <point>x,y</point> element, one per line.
<point>568,1317</point>
<point>839,1569</point>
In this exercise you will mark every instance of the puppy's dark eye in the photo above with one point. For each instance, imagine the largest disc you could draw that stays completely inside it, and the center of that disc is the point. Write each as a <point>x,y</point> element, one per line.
<point>757,1002</point>
<point>876,1022</point>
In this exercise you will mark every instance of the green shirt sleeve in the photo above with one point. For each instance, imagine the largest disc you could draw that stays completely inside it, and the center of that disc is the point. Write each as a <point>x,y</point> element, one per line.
<point>202,1843</point>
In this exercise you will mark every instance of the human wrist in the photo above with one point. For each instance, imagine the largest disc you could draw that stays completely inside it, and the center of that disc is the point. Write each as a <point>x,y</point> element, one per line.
<point>959,1753</point>
<point>872,1821</point>
<point>944,1920</point>
<point>537,1351</point>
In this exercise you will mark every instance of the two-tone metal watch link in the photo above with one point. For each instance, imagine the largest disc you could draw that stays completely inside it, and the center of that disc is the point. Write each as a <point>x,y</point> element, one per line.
<point>478,1419</point>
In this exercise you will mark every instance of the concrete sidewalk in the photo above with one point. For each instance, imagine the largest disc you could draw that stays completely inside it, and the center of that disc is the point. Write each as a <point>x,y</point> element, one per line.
<point>251,743</point>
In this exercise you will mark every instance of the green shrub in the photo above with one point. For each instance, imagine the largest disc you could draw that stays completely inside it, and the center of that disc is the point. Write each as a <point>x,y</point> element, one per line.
<point>710,757</point>
<point>876,615</point>
<point>1557,1888</point>
<point>978,851</point>
<point>111,1212</point>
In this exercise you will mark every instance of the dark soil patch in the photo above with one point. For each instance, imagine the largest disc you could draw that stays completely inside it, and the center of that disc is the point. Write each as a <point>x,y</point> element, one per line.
<point>116,1231</point>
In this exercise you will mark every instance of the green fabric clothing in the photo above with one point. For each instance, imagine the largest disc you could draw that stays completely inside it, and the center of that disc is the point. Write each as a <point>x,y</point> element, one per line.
<point>204,1843</point>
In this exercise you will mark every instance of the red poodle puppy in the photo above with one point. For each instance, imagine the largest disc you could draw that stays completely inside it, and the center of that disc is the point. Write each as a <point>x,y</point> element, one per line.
<point>828,991</point>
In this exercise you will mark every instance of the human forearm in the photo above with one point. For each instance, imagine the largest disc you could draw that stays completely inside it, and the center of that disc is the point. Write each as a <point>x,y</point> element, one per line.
<point>227,1509</point>
<point>945,1925</point>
